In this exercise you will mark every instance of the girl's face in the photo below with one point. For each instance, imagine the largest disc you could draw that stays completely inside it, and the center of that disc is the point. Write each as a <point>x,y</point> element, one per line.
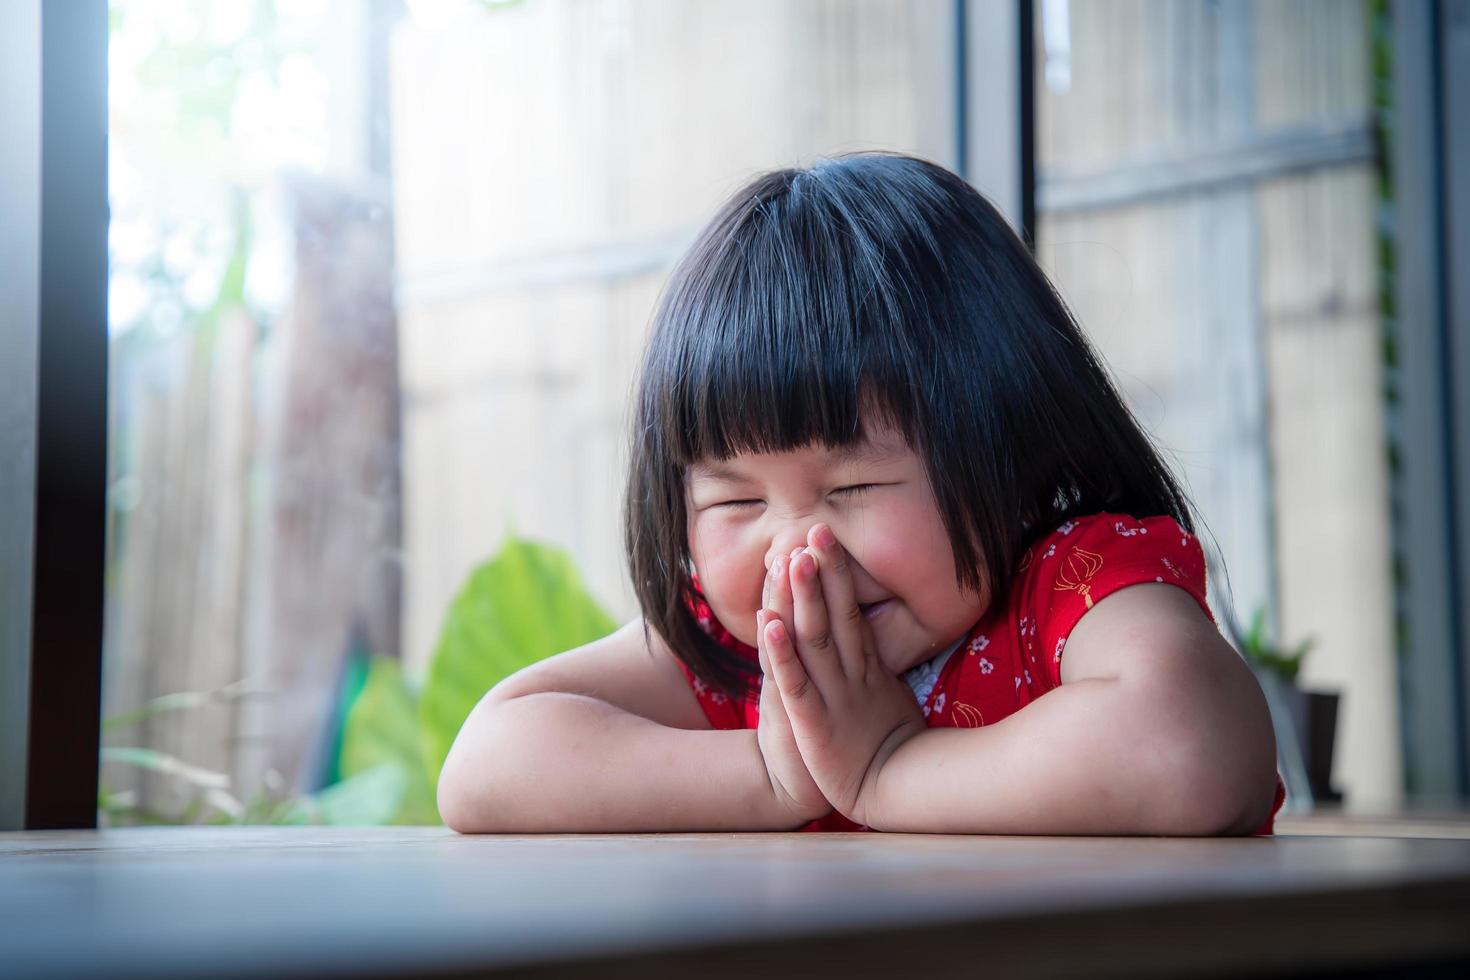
<point>875,495</point>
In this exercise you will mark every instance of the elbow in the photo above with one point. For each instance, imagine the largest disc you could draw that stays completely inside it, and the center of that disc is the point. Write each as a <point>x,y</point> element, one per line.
<point>449,796</point>
<point>1218,767</point>
<point>461,793</point>
<point>1218,794</point>
<point>1215,809</point>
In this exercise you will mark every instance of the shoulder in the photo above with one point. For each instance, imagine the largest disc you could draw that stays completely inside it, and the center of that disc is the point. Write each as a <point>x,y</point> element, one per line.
<point>1120,537</point>
<point>1069,571</point>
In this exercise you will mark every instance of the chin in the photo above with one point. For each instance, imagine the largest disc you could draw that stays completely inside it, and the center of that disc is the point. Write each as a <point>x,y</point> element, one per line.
<point>898,654</point>
<point>897,663</point>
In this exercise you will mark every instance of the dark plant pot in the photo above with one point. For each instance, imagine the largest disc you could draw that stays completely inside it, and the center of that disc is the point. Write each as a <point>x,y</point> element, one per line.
<point>1314,715</point>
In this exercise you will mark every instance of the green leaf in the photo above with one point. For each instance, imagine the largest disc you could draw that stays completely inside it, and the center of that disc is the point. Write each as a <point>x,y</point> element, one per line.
<point>1265,653</point>
<point>168,764</point>
<point>355,670</point>
<point>182,701</point>
<point>383,728</point>
<point>1253,639</point>
<point>370,798</point>
<point>523,605</point>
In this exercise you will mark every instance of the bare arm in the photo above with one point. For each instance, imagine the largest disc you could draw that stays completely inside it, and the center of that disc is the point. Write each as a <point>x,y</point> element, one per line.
<point>1158,728</point>
<point>606,738</point>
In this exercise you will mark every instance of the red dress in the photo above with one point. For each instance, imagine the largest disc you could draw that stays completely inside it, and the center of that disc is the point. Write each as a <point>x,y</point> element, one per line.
<point>1013,655</point>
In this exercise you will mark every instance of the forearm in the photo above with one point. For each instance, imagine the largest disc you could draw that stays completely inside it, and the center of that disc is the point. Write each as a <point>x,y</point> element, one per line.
<point>1084,759</point>
<point>566,763</point>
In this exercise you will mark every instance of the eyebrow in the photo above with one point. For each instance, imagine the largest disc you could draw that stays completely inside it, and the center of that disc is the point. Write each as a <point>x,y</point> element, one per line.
<point>859,452</point>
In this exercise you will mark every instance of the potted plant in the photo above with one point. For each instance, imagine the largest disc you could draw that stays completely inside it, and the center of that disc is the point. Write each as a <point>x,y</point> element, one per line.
<point>1312,714</point>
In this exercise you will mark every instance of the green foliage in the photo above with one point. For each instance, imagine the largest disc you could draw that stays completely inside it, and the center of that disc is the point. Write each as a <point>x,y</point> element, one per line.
<point>382,734</point>
<point>1260,651</point>
<point>371,798</point>
<point>523,605</point>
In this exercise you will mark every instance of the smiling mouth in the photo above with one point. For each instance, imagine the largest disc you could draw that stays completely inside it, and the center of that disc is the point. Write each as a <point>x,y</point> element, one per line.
<point>871,609</point>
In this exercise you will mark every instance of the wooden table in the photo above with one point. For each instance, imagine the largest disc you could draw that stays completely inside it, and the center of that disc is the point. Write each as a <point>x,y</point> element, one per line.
<point>265,901</point>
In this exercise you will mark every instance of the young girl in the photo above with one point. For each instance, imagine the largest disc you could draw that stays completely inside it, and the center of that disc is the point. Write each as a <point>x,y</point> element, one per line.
<point>905,560</point>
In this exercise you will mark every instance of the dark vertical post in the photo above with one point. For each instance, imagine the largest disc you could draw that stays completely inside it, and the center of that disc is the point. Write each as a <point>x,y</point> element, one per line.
<point>20,281</point>
<point>71,421</point>
<point>1427,511</point>
<point>961,89</point>
<point>996,97</point>
<point>1454,125</point>
<point>1026,118</point>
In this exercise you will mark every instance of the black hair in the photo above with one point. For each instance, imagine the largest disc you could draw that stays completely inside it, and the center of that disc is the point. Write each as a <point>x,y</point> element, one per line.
<point>879,281</point>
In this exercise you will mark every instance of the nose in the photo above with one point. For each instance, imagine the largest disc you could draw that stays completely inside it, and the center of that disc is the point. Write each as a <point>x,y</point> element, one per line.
<point>786,540</point>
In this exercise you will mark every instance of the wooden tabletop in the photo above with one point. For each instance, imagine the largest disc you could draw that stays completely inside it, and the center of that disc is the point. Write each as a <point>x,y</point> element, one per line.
<point>269,901</point>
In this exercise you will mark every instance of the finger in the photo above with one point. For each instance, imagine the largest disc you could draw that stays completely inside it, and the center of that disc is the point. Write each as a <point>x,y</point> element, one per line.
<point>819,664</point>
<point>780,600</point>
<point>760,638</point>
<point>762,654</point>
<point>799,695</point>
<point>849,630</point>
<point>813,638</point>
<point>771,709</point>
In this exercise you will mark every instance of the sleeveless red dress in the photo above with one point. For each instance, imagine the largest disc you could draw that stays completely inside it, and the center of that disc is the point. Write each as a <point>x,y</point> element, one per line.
<point>1013,655</point>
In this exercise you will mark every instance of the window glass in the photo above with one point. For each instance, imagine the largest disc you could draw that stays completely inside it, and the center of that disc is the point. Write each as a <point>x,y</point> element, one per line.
<point>379,276</point>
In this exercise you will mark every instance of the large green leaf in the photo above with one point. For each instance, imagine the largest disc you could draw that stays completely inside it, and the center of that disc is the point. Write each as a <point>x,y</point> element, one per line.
<point>523,605</point>
<point>383,728</point>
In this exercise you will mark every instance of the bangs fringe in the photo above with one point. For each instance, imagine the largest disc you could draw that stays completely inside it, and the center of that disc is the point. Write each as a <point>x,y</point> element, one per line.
<point>794,335</point>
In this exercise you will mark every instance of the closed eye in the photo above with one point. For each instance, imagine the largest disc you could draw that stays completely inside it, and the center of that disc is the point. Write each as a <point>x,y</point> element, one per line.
<point>737,503</point>
<point>856,490</point>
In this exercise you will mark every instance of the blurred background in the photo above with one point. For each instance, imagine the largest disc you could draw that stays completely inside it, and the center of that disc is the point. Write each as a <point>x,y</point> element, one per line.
<point>379,273</point>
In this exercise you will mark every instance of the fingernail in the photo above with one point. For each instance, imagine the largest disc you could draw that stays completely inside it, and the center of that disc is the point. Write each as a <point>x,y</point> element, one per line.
<point>825,537</point>
<point>777,632</point>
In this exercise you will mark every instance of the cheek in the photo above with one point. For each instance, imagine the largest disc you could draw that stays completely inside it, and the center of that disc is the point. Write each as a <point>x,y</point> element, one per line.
<point>731,573</point>
<point>902,544</point>
<point>906,549</point>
